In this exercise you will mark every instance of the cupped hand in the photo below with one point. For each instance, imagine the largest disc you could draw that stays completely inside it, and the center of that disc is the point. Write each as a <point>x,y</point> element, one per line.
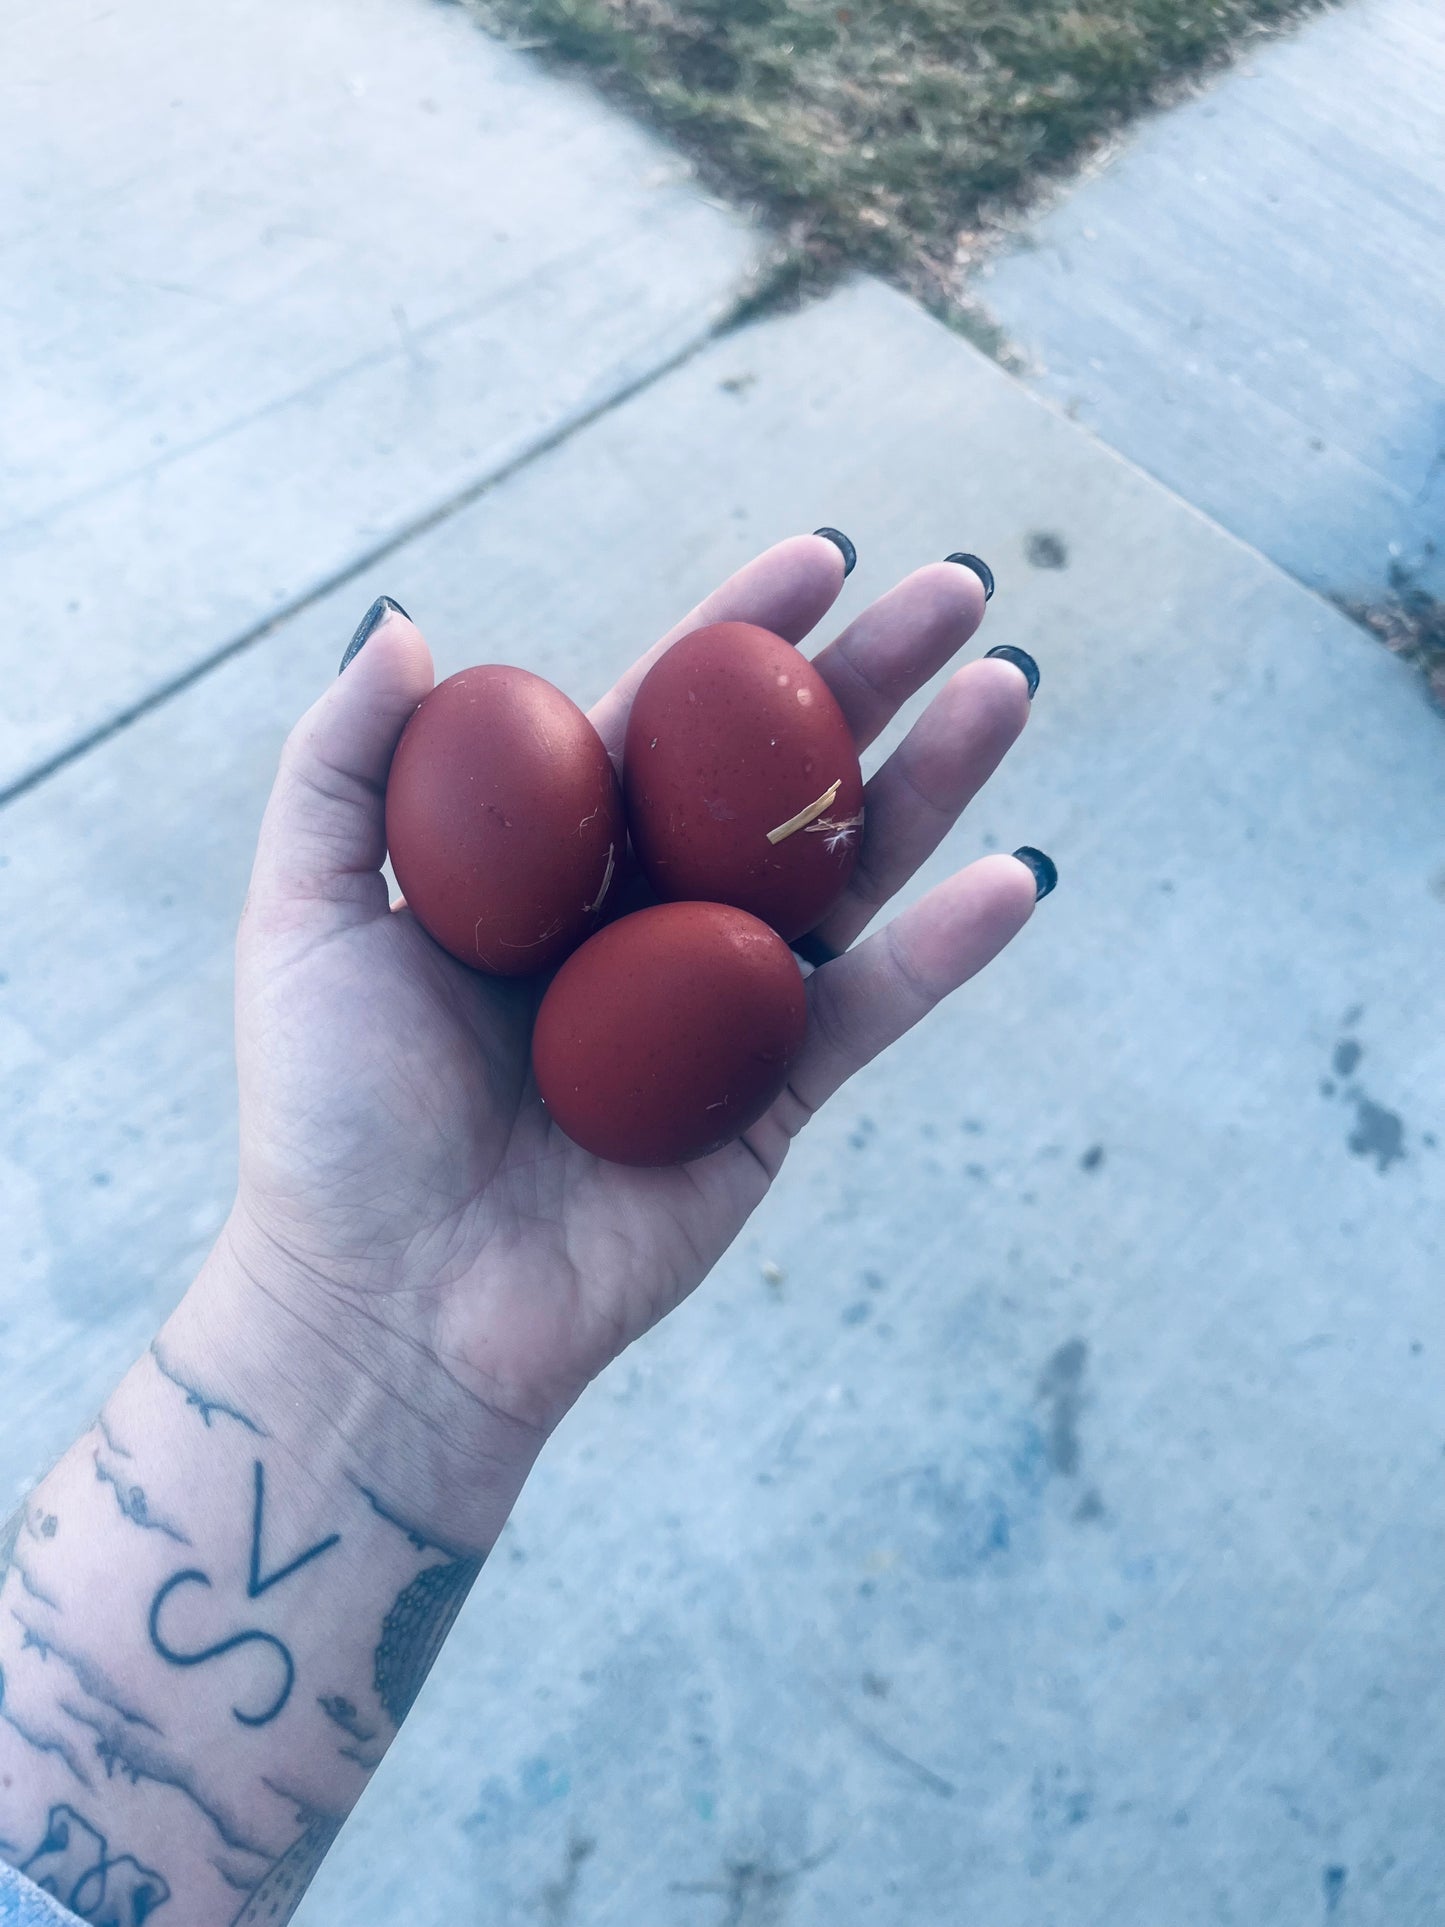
<point>404,1196</point>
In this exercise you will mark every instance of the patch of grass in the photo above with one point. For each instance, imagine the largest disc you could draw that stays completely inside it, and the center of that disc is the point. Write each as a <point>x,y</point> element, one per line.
<point>885,132</point>
<point>1411,624</point>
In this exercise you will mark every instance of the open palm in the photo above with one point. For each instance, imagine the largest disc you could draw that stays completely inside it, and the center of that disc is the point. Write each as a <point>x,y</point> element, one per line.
<point>399,1174</point>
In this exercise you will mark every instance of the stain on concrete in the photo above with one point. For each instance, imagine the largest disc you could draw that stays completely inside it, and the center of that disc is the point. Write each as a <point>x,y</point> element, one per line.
<point>1333,1882</point>
<point>1046,550</point>
<point>1092,1158</point>
<point>1348,1053</point>
<point>557,1896</point>
<point>953,1526</point>
<point>1378,1133</point>
<point>1061,1388</point>
<point>1059,1801</point>
<point>1090,1507</point>
<point>756,1894</point>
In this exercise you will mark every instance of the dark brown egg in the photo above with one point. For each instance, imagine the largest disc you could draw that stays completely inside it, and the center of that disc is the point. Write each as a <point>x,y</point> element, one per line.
<point>503,820</point>
<point>668,1033</point>
<point>741,778</point>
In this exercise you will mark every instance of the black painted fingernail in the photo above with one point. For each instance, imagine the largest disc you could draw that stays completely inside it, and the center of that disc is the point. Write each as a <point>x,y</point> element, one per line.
<point>1021,659</point>
<point>1045,871</point>
<point>980,569</point>
<point>844,547</point>
<point>370,623</point>
<point>813,951</point>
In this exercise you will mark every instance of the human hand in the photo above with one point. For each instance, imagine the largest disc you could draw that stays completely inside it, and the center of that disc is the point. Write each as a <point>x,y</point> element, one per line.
<point>414,1241</point>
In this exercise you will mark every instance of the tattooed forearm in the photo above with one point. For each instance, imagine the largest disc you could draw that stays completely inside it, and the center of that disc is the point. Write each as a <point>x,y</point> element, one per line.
<point>342,1713</point>
<point>257,1584</point>
<point>209,1631</point>
<point>417,1538</point>
<point>133,1502</point>
<point>218,1649</point>
<point>87,1675</point>
<point>31,1585</point>
<point>137,1757</point>
<point>414,1629</point>
<point>73,1862</point>
<point>276,1897</point>
<point>112,1443</point>
<point>206,1406</point>
<point>43,1743</point>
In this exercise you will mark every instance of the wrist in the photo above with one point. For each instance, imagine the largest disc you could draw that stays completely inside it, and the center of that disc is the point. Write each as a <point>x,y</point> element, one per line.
<point>345,1394</point>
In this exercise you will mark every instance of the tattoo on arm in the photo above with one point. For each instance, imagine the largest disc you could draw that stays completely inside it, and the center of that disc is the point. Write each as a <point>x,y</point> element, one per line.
<point>233,1643</point>
<point>113,1444</point>
<point>133,1502</point>
<point>73,1862</point>
<point>420,1617</point>
<point>205,1406</point>
<point>341,1712</point>
<point>418,1538</point>
<point>42,1742</point>
<point>93,1682</point>
<point>256,1585</point>
<point>279,1892</point>
<point>414,1629</point>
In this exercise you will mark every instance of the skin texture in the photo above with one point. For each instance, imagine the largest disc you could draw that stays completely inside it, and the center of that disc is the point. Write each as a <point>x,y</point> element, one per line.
<point>219,1605</point>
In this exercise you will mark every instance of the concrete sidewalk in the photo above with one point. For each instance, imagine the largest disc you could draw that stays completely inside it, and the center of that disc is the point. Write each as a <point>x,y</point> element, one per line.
<point>1248,299</point>
<point>280,284</point>
<point>1037,1517</point>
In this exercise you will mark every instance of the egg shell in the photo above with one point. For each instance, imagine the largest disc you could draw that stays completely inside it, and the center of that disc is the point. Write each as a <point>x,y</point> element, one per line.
<point>734,734</point>
<point>503,820</point>
<point>669,1033</point>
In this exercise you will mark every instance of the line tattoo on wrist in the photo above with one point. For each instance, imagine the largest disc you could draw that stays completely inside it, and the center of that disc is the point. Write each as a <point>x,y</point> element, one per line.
<point>133,1503</point>
<point>258,1583</point>
<point>202,1403</point>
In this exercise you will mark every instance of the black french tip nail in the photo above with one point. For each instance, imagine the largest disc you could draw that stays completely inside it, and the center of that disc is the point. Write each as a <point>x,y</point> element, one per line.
<point>1045,870</point>
<point>383,607</point>
<point>844,547</point>
<point>979,567</point>
<point>1021,659</point>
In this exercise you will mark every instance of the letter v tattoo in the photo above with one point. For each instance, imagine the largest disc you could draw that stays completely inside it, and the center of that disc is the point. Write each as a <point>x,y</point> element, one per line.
<point>257,1585</point>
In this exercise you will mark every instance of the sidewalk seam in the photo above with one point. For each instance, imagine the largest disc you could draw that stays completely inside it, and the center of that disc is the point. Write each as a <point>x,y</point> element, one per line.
<point>422,524</point>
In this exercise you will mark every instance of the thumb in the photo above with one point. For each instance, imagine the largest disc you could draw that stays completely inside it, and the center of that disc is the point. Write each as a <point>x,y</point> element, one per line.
<point>323,837</point>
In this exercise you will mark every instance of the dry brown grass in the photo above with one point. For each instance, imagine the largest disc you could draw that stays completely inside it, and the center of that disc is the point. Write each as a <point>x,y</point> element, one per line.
<point>886,132</point>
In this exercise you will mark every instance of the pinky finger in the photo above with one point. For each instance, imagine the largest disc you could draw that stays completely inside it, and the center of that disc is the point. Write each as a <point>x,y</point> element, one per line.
<point>867,999</point>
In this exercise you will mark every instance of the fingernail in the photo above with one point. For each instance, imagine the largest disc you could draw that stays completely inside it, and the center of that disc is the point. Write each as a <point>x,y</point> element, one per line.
<point>844,547</point>
<point>1046,874</point>
<point>1021,659</point>
<point>980,569</point>
<point>370,623</point>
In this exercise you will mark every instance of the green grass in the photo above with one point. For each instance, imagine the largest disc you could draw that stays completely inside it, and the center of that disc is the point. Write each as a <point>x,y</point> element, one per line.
<point>883,132</point>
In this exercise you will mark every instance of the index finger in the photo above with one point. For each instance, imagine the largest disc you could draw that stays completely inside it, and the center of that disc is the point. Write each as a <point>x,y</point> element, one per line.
<point>788,588</point>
